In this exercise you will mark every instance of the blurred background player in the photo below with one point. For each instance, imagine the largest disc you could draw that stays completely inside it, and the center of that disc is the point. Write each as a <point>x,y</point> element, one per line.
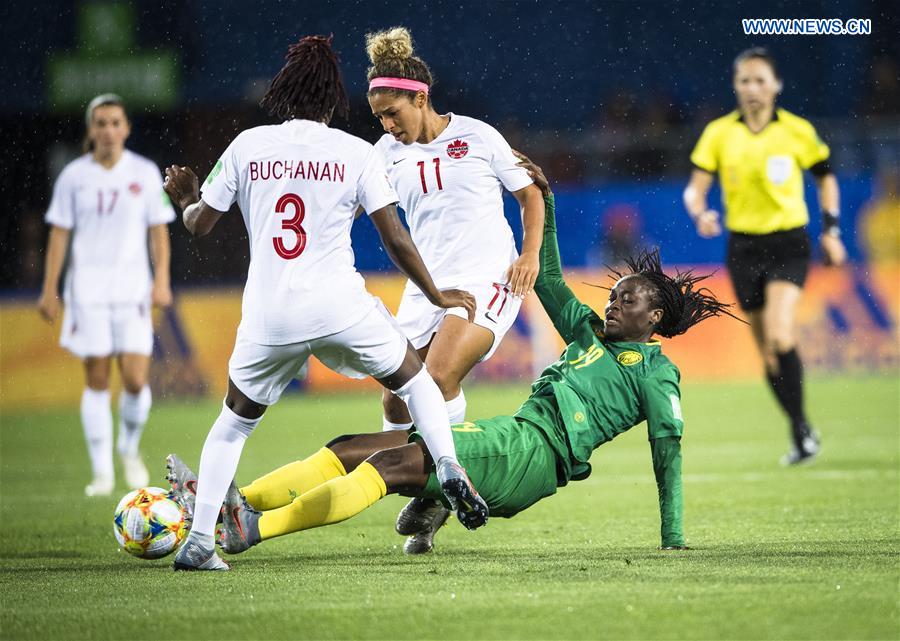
<point>450,172</point>
<point>759,153</point>
<point>610,377</point>
<point>105,202</point>
<point>299,185</point>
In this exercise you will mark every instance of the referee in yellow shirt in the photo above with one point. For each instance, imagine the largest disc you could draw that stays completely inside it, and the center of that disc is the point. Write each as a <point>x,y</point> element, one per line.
<point>759,153</point>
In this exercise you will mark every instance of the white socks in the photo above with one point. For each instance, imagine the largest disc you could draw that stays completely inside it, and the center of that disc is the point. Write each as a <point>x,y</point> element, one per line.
<point>387,426</point>
<point>456,409</point>
<point>456,413</point>
<point>218,463</point>
<point>97,421</point>
<point>426,406</point>
<point>133,412</point>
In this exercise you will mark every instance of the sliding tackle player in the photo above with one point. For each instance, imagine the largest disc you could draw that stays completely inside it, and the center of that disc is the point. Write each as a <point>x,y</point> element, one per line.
<point>611,377</point>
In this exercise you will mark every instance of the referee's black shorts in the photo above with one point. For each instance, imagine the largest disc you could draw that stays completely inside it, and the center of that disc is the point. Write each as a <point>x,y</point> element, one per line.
<point>755,260</point>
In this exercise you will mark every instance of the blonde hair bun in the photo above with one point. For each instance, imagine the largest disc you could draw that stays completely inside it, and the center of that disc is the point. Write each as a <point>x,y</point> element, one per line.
<point>390,44</point>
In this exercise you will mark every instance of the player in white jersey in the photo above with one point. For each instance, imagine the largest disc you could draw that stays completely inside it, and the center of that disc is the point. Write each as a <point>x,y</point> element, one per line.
<point>105,202</point>
<point>450,172</point>
<point>299,186</point>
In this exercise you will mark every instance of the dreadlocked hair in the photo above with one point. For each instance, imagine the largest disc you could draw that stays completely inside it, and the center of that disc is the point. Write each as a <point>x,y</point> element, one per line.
<point>682,305</point>
<point>391,53</point>
<point>309,85</point>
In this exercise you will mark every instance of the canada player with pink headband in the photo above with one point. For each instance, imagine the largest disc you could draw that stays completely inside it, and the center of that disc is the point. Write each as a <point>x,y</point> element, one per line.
<point>449,172</point>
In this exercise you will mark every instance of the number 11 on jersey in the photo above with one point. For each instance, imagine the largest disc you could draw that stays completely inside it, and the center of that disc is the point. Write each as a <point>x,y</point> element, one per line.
<point>437,174</point>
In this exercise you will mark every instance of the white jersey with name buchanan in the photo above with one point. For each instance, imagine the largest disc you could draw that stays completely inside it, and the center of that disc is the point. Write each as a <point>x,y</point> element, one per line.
<point>298,185</point>
<point>451,191</point>
<point>109,212</point>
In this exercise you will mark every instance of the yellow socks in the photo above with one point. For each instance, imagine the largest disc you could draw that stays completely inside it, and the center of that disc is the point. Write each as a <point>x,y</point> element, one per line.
<point>279,488</point>
<point>332,502</point>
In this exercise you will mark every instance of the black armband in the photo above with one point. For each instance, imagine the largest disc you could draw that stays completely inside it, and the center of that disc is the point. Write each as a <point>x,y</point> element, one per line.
<point>821,168</point>
<point>831,223</point>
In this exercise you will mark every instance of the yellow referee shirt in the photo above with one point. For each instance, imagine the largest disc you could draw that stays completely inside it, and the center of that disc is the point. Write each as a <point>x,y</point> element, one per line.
<point>761,174</point>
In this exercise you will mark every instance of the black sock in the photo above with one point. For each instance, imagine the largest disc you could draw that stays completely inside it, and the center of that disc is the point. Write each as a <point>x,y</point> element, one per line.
<point>788,388</point>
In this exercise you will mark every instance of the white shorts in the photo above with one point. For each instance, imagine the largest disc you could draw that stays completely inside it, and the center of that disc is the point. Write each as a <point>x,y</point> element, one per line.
<point>496,309</point>
<point>105,330</point>
<point>374,347</point>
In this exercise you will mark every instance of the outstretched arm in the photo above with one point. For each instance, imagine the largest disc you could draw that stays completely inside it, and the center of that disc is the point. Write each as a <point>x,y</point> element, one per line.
<point>183,188</point>
<point>551,288</point>
<point>404,254</point>
<point>667,468</point>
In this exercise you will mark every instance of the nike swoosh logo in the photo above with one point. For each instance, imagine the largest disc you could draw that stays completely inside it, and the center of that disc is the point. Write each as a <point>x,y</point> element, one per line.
<point>192,487</point>
<point>235,511</point>
<point>401,160</point>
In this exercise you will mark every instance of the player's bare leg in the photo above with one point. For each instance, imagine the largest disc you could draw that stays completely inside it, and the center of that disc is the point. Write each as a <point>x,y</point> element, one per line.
<point>455,349</point>
<point>134,407</point>
<point>96,419</point>
<point>422,396</point>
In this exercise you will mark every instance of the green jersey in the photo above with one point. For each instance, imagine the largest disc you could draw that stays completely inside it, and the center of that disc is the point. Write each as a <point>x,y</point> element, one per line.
<point>599,389</point>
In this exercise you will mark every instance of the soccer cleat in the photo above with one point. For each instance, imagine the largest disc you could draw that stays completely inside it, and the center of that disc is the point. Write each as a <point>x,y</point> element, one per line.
<point>240,523</point>
<point>470,509</point>
<point>420,520</point>
<point>192,556</point>
<point>184,484</point>
<point>805,452</point>
<point>136,474</point>
<point>100,486</point>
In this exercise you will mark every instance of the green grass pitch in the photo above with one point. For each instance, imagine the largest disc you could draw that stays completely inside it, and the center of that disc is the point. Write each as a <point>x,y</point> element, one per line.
<point>807,553</point>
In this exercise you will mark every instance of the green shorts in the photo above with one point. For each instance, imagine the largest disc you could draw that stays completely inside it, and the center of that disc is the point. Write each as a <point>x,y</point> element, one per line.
<point>508,461</point>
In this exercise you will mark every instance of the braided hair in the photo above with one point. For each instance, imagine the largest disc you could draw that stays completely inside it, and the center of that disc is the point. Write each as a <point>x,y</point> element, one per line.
<point>309,86</point>
<point>682,305</point>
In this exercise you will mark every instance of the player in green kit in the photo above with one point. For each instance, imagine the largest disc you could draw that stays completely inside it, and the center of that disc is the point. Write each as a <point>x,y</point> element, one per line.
<point>611,377</point>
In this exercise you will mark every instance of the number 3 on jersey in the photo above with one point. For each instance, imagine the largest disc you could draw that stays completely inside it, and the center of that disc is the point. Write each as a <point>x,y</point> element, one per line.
<point>292,224</point>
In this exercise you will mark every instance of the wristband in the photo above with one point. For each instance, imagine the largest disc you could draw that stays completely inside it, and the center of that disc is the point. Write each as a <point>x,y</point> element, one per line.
<point>831,223</point>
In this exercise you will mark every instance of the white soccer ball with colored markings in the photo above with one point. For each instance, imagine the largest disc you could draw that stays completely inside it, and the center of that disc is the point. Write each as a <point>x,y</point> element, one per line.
<point>148,523</point>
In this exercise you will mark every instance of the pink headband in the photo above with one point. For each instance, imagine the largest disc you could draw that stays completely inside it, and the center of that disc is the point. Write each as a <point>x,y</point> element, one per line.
<point>398,83</point>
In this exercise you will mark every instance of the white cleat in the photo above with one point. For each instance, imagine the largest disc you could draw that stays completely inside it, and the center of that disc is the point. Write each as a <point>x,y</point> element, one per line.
<point>191,556</point>
<point>100,486</point>
<point>136,474</point>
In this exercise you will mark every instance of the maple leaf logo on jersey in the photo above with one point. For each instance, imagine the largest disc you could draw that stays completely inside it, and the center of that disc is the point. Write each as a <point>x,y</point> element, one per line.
<point>135,188</point>
<point>457,149</point>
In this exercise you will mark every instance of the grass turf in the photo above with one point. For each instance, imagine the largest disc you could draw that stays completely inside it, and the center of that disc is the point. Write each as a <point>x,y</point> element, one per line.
<point>806,553</point>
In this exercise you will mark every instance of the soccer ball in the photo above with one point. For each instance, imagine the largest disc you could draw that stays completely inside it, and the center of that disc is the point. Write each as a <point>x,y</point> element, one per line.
<point>148,523</point>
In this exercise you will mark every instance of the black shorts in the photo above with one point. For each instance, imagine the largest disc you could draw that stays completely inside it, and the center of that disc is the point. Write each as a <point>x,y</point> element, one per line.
<point>753,261</point>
